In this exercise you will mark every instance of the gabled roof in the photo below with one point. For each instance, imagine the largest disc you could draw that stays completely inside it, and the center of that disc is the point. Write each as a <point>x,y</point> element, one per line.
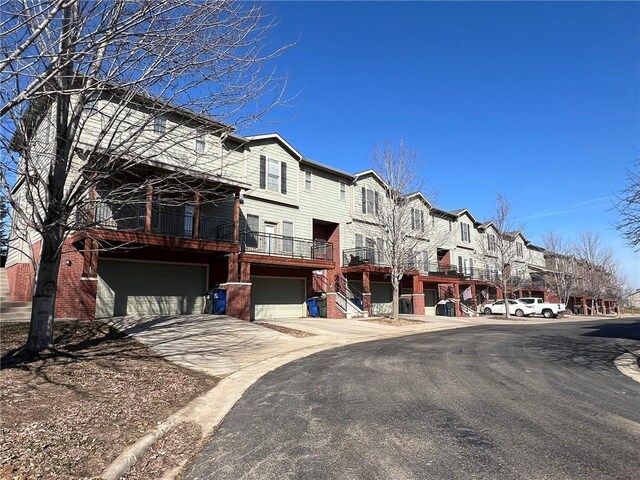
<point>278,138</point>
<point>516,233</point>
<point>420,196</point>
<point>462,211</point>
<point>374,174</point>
<point>301,158</point>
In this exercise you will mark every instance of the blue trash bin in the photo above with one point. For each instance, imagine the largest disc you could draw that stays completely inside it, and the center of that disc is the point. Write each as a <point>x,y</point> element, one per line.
<point>312,306</point>
<point>358,303</point>
<point>219,301</point>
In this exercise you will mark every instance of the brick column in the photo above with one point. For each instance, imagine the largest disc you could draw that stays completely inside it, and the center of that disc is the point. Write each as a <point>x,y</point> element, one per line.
<point>238,300</point>
<point>332,308</point>
<point>584,306</point>
<point>245,272</point>
<point>418,296</point>
<point>456,296</point>
<point>366,302</point>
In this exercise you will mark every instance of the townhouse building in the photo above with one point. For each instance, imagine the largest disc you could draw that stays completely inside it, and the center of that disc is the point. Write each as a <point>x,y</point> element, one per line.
<point>253,216</point>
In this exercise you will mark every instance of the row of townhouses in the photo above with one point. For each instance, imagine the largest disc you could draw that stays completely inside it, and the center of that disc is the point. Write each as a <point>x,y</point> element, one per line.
<point>263,222</point>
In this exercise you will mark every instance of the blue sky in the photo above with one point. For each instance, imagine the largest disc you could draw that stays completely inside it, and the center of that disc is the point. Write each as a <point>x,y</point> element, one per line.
<point>539,101</point>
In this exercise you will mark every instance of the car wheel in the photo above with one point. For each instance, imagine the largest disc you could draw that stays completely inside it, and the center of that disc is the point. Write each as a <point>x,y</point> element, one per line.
<point>487,311</point>
<point>519,313</point>
<point>547,313</point>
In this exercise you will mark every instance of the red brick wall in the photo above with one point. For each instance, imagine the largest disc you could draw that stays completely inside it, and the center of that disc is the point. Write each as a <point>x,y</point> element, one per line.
<point>418,303</point>
<point>20,279</point>
<point>332,308</point>
<point>238,300</point>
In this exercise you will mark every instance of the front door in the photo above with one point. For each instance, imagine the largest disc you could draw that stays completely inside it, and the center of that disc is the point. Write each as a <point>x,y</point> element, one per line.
<point>269,237</point>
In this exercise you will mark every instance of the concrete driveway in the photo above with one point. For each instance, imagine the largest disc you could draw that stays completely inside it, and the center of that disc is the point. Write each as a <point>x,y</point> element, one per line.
<point>220,345</point>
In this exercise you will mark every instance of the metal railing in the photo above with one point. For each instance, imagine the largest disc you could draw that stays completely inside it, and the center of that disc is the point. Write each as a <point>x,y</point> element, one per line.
<point>285,246</point>
<point>363,256</point>
<point>165,222</point>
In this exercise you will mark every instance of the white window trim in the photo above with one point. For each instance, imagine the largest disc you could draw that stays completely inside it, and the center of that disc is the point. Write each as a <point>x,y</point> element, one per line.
<point>160,125</point>
<point>308,181</point>
<point>201,140</point>
<point>270,161</point>
<point>342,192</point>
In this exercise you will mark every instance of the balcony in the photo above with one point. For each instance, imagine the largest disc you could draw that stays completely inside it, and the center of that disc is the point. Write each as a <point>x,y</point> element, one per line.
<point>353,257</point>
<point>284,246</point>
<point>165,221</point>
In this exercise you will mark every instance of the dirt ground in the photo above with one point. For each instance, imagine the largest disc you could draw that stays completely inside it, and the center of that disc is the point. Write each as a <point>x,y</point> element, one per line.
<point>67,416</point>
<point>289,331</point>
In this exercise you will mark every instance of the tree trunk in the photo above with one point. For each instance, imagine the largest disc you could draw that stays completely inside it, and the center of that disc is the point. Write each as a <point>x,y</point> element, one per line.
<point>396,298</point>
<point>505,295</point>
<point>43,303</point>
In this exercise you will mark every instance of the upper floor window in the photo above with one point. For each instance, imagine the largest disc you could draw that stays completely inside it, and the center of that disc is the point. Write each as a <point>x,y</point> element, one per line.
<point>160,124</point>
<point>343,191</point>
<point>200,142</point>
<point>273,175</point>
<point>370,201</point>
<point>491,242</point>
<point>450,226</point>
<point>465,232</point>
<point>519,249</point>
<point>307,180</point>
<point>417,219</point>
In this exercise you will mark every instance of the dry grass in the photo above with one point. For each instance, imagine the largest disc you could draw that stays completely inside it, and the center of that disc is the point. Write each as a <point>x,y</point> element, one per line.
<point>70,413</point>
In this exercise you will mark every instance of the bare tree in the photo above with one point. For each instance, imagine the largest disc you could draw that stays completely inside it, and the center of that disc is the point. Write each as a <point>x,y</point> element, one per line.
<point>562,275</point>
<point>86,89</point>
<point>597,267</point>
<point>504,256</point>
<point>398,168</point>
<point>628,206</point>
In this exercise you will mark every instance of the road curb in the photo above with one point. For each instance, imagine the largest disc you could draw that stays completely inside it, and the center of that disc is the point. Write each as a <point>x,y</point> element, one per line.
<point>211,408</point>
<point>627,363</point>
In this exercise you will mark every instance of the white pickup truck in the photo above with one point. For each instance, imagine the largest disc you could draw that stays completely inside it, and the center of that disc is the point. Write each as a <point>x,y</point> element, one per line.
<point>547,310</point>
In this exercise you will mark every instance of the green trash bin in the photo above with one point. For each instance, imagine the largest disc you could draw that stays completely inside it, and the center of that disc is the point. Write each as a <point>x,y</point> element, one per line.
<point>322,306</point>
<point>451,309</point>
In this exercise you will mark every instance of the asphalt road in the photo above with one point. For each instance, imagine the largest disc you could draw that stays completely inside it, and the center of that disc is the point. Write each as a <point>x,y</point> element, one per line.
<point>498,402</point>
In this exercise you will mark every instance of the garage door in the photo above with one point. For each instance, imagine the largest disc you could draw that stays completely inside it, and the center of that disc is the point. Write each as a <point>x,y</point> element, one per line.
<point>277,297</point>
<point>381,298</point>
<point>140,288</point>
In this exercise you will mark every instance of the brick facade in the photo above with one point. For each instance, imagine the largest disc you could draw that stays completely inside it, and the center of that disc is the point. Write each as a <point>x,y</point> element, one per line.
<point>20,279</point>
<point>238,300</point>
<point>332,308</point>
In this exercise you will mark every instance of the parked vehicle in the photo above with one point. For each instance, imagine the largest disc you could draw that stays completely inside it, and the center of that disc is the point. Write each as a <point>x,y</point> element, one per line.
<point>546,309</point>
<point>519,309</point>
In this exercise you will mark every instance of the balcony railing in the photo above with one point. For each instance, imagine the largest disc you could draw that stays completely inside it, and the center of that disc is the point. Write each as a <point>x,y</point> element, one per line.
<point>164,222</point>
<point>285,246</point>
<point>363,256</point>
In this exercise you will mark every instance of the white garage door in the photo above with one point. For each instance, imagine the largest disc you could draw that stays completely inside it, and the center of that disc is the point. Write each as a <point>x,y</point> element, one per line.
<point>381,298</point>
<point>141,288</point>
<point>277,298</point>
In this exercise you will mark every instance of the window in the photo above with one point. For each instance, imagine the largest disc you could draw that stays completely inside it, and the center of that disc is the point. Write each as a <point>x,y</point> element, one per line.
<point>370,201</point>
<point>425,260</point>
<point>450,226</point>
<point>465,232</point>
<point>359,243</point>
<point>160,124</point>
<point>343,191</point>
<point>491,242</point>
<point>460,265</point>
<point>253,227</point>
<point>519,249</point>
<point>307,180</point>
<point>200,142</point>
<point>287,233</point>
<point>433,221</point>
<point>417,219</point>
<point>273,175</point>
